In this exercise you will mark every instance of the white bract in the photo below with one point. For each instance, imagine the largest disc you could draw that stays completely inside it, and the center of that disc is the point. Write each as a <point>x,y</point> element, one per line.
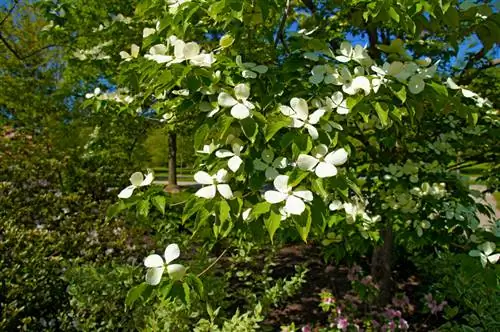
<point>209,108</point>
<point>96,93</point>
<point>208,148</point>
<point>235,160</point>
<point>240,107</point>
<point>322,162</point>
<point>486,253</point>
<point>323,73</point>
<point>357,53</point>
<point>337,102</point>
<point>138,180</point>
<point>216,183</point>
<point>250,69</point>
<point>269,164</point>
<point>469,94</point>
<point>158,53</point>
<point>294,200</point>
<point>352,85</point>
<point>146,32</point>
<point>190,52</point>
<point>156,265</point>
<point>134,53</point>
<point>299,112</point>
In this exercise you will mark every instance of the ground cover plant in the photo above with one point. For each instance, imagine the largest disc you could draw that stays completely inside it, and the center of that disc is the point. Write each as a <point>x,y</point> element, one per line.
<point>326,140</point>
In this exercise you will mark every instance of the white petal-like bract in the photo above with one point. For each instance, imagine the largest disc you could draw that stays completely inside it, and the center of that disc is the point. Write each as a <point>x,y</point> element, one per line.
<point>294,205</point>
<point>154,274</point>
<point>203,177</point>
<point>207,192</point>
<point>225,191</point>
<point>273,196</point>
<point>153,260</point>
<point>127,192</point>
<point>226,100</point>
<point>176,271</point>
<point>325,170</point>
<point>171,252</point>
<point>306,162</point>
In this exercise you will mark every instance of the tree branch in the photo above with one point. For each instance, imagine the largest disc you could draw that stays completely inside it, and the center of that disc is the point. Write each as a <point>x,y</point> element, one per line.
<point>280,36</point>
<point>10,48</point>
<point>373,39</point>
<point>8,13</point>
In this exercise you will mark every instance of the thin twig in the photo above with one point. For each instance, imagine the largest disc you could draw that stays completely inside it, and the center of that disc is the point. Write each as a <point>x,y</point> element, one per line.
<point>10,48</point>
<point>211,265</point>
<point>8,13</point>
<point>281,29</point>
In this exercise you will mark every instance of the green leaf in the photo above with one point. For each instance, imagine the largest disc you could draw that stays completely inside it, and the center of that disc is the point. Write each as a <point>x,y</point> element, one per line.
<point>165,290</point>
<point>201,135</point>
<point>317,187</point>
<point>274,125</point>
<point>272,223</point>
<point>187,294</point>
<point>224,125</point>
<point>134,293</point>
<point>250,128</point>
<point>114,209</point>
<point>159,202</point>
<point>296,177</point>
<point>191,207</point>
<point>382,112</point>
<point>394,14</point>
<point>224,210</point>
<point>399,91</point>
<point>303,224</point>
<point>439,88</point>
<point>196,284</point>
<point>260,209</point>
<point>143,208</point>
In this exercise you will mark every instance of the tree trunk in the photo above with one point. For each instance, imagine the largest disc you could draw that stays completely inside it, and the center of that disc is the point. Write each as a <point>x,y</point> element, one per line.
<point>381,265</point>
<point>172,163</point>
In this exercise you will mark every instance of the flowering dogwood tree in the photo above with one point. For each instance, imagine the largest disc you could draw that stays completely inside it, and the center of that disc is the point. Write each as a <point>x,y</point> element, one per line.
<point>305,120</point>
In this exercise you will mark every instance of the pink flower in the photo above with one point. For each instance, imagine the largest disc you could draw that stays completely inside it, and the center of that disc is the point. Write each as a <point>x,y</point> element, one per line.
<point>342,323</point>
<point>403,324</point>
<point>329,300</point>
<point>306,328</point>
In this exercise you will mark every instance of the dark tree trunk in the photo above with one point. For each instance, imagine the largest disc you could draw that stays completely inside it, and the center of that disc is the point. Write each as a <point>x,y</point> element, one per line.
<point>381,265</point>
<point>172,163</point>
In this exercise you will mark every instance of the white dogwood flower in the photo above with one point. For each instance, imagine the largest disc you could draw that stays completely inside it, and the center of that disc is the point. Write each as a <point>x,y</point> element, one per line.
<point>322,162</point>
<point>156,265</point>
<point>323,73</point>
<point>294,200</point>
<point>240,107</point>
<point>208,148</point>
<point>158,53</point>
<point>269,164</point>
<point>250,69</point>
<point>138,180</point>
<point>96,93</point>
<point>134,53</point>
<point>337,102</point>
<point>216,183</point>
<point>357,53</point>
<point>299,112</point>
<point>352,85</point>
<point>190,52</point>
<point>235,160</point>
<point>480,102</point>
